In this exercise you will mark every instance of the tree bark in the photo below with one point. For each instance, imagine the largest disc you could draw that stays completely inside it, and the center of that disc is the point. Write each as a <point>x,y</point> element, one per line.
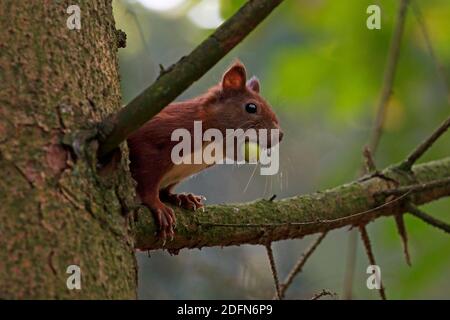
<point>55,210</point>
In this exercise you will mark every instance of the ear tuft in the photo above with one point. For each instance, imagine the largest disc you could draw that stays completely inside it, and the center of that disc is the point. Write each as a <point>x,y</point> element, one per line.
<point>253,84</point>
<point>234,78</point>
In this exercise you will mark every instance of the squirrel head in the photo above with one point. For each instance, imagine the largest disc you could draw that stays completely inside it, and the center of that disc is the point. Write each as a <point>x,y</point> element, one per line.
<point>239,105</point>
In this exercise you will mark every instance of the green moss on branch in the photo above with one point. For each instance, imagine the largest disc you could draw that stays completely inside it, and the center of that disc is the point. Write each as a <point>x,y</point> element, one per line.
<point>262,221</point>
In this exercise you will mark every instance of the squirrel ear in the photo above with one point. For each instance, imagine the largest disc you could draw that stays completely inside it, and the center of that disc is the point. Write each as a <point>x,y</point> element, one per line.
<point>234,78</point>
<point>253,84</point>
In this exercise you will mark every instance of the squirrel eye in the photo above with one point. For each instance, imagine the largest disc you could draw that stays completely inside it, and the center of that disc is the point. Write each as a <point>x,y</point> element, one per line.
<point>250,108</point>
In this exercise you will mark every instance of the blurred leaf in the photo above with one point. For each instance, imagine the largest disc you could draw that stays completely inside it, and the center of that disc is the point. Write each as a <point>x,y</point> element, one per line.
<point>229,7</point>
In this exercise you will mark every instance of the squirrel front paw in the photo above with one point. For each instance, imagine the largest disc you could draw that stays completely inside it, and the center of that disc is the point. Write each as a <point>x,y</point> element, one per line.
<point>187,201</point>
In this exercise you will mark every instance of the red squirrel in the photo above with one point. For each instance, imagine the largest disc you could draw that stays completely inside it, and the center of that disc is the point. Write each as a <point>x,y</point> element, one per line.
<point>231,104</point>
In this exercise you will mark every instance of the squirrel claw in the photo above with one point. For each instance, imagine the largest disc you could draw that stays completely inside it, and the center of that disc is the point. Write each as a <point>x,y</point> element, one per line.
<point>185,200</point>
<point>165,219</point>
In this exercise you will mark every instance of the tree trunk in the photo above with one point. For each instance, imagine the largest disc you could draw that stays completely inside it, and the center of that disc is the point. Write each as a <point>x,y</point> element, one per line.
<point>56,211</point>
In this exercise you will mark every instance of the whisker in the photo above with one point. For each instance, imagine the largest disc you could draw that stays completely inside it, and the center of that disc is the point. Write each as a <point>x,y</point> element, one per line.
<point>289,162</point>
<point>281,181</point>
<point>271,184</point>
<point>287,180</point>
<point>251,177</point>
<point>290,167</point>
<point>265,186</point>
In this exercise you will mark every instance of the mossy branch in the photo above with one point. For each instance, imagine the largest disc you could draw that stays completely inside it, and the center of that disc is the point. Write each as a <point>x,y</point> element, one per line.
<point>177,78</point>
<point>260,222</point>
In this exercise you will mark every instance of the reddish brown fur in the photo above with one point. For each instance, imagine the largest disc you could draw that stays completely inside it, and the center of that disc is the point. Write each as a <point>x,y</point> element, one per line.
<point>221,107</point>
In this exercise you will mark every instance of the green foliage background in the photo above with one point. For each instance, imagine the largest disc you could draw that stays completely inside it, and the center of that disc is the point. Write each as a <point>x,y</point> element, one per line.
<point>322,70</point>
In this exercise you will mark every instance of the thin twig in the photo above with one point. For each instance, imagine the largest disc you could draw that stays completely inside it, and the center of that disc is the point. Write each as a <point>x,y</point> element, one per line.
<point>178,77</point>
<point>370,255</point>
<point>131,11</point>
<point>416,187</point>
<point>401,228</point>
<point>274,270</point>
<point>350,266</point>
<point>439,67</point>
<point>377,130</point>
<point>425,145</point>
<point>427,218</point>
<point>369,162</point>
<point>324,293</point>
<point>420,150</point>
<point>389,75</point>
<point>300,263</point>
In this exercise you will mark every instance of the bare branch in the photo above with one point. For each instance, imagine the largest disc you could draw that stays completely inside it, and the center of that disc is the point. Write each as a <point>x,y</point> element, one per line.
<point>427,218</point>
<point>425,145</point>
<point>324,293</point>
<point>377,130</point>
<point>401,228</point>
<point>350,265</point>
<point>439,67</point>
<point>369,162</point>
<point>300,263</point>
<point>370,255</point>
<point>389,75</point>
<point>273,268</point>
<point>173,81</point>
<point>417,187</point>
